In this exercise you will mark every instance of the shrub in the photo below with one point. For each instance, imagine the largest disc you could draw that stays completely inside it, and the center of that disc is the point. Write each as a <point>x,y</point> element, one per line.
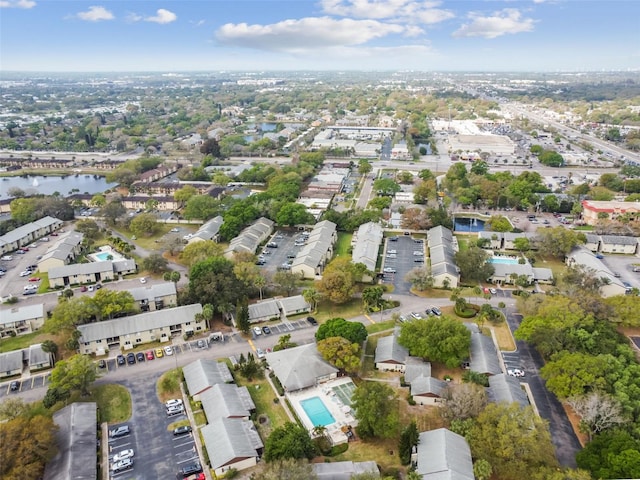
<point>338,449</point>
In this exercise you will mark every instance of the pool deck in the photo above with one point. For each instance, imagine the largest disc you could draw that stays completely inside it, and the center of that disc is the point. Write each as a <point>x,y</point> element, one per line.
<point>341,413</point>
<point>105,250</point>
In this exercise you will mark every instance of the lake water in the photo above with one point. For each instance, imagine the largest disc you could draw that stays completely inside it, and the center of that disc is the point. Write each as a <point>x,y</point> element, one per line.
<point>34,184</point>
<point>464,224</point>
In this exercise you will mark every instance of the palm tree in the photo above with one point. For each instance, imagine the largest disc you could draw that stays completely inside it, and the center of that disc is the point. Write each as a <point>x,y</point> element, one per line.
<point>260,281</point>
<point>311,296</point>
<point>207,313</point>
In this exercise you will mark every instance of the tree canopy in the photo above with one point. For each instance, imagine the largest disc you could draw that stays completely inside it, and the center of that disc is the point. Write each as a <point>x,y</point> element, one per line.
<point>473,264</point>
<point>28,443</point>
<point>289,441</point>
<point>376,408</point>
<point>340,353</point>
<point>354,332</point>
<point>438,339</point>
<point>213,281</point>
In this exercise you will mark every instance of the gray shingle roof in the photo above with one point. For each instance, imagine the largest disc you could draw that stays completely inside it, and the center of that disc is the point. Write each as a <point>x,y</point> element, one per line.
<point>293,304</point>
<point>389,350</point>
<point>367,245</point>
<point>265,309</point>
<point>230,439</point>
<point>250,237</point>
<point>37,356</point>
<point>226,400</point>
<point>81,269</point>
<point>18,314</point>
<point>505,388</point>
<point>582,256</point>
<point>10,361</point>
<point>442,455</point>
<point>618,240</point>
<point>484,356</point>
<point>210,229</point>
<point>124,265</point>
<point>416,367</point>
<point>137,323</point>
<point>205,373</point>
<point>428,385</point>
<point>299,367</point>
<point>152,292</point>
<point>25,230</point>
<point>76,441</point>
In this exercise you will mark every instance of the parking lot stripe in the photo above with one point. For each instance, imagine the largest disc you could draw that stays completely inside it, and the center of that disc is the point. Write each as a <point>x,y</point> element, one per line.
<point>369,318</point>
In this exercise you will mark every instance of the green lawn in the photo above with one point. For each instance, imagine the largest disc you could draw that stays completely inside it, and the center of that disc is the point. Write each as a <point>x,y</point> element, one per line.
<point>327,309</point>
<point>343,244</point>
<point>169,385</point>
<point>114,402</point>
<point>44,283</point>
<point>8,344</point>
<point>263,396</point>
<point>380,327</point>
<point>149,243</point>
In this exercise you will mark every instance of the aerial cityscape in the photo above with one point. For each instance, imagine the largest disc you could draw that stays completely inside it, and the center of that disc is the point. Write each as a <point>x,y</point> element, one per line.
<point>332,239</point>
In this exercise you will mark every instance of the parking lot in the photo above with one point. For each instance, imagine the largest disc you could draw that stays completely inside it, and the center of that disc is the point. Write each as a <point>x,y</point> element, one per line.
<point>279,257</point>
<point>157,452</point>
<point>402,254</point>
<point>11,282</point>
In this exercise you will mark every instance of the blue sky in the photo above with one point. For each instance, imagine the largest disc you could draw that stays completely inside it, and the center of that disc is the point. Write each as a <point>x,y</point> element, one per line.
<point>150,35</point>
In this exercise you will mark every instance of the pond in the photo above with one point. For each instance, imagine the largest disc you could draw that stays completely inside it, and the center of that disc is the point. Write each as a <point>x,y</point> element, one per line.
<point>466,224</point>
<point>65,185</point>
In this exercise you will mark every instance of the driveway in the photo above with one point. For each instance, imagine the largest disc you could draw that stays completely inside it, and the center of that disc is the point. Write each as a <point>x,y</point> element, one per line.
<point>562,435</point>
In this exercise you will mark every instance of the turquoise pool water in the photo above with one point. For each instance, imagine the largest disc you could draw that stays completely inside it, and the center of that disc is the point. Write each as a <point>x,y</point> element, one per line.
<point>317,412</point>
<point>103,256</point>
<point>504,260</point>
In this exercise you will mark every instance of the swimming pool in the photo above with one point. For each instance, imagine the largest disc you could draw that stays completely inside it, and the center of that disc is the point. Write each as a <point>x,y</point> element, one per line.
<point>504,260</point>
<point>317,412</point>
<point>104,254</point>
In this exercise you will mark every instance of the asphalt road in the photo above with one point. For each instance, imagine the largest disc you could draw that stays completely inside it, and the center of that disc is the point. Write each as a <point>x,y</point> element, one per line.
<point>549,408</point>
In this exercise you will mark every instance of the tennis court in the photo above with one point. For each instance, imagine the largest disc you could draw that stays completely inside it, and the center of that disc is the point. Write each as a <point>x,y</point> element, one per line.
<point>344,392</point>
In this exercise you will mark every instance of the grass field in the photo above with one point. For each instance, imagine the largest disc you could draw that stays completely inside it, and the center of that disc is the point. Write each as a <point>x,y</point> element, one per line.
<point>327,309</point>
<point>44,283</point>
<point>23,341</point>
<point>114,403</point>
<point>263,395</point>
<point>343,244</point>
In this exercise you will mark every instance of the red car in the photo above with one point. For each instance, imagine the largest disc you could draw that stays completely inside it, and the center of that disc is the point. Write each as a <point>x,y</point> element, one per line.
<point>150,355</point>
<point>54,234</point>
<point>83,289</point>
<point>34,279</point>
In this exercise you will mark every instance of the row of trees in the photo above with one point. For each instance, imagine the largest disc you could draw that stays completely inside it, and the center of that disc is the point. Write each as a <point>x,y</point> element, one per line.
<point>591,366</point>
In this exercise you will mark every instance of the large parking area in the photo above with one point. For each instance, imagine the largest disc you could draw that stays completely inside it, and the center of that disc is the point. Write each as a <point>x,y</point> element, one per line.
<point>280,250</point>
<point>402,254</point>
<point>158,453</point>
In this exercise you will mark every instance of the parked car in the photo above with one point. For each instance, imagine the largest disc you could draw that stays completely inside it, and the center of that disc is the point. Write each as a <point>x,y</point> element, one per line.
<point>83,288</point>
<point>182,430</point>
<point>6,258</point>
<point>121,360</point>
<point>120,431</point>
<point>260,353</point>
<point>174,402</point>
<point>266,330</point>
<point>140,357</point>
<point>272,245</point>
<point>15,386</point>
<point>516,372</point>
<point>416,315</point>
<point>143,280</point>
<point>493,291</point>
<point>175,410</point>
<point>257,331</point>
<point>102,363</point>
<point>34,279</point>
<point>122,465</point>
<point>168,350</point>
<point>436,311</point>
<point>123,455</point>
<point>312,321</point>
<point>201,344</point>
<point>25,273</point>
<point>131,358</point>
<point>190,469</point>
<point>159,353</point>
<point>150,355</point>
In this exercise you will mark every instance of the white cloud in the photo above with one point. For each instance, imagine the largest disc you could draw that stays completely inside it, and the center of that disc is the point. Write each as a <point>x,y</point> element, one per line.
<point>406,10</point>
<point>306,33</point>
<point>17,4</point>
<point>133,17</point>
<point>197,23</point>
<point>506,21</point>
<point>162,17</point>
<point>96,14</point>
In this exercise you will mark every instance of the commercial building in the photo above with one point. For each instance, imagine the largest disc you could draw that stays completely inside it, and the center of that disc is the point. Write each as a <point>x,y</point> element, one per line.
<point>596,211</point>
